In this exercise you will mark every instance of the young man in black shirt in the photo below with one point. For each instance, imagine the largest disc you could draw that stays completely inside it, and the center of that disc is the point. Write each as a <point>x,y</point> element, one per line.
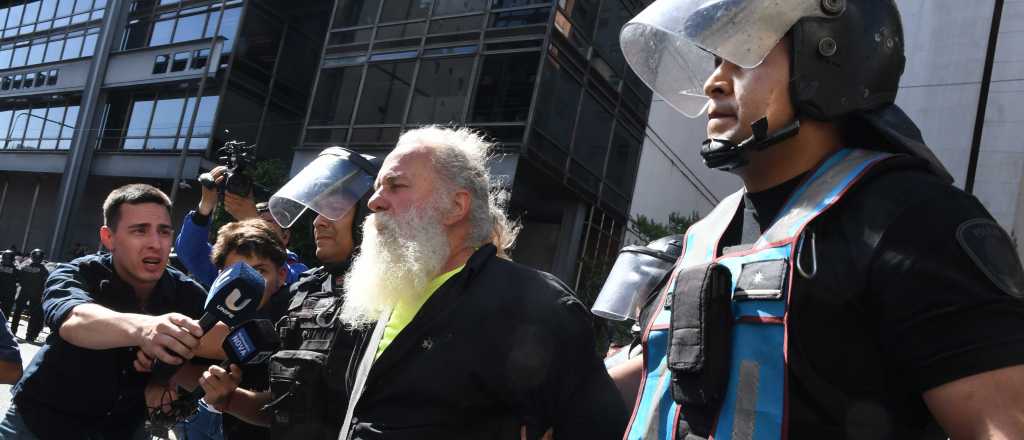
<point>864,296</point>
<point>102,308</point>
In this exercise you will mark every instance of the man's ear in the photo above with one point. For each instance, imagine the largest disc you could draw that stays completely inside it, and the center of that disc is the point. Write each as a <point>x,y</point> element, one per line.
<point>461,204</point>
<point>107,237</point>
<point>282,274</point>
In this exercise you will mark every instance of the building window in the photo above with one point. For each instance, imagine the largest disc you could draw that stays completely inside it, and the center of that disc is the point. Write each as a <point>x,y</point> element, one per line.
<point>152,24</point>
<point>200,58</point>
<point>520,17</point>
<point>160,64</point>
<point>398,10</point>
<point>556,103</point>
<point>42,15</point>
<point>44,126</point>
<point>335,96</point>
<point>593,131</point>
<point>441,89</point>
<point>452,7</point>
<point>356,13</point>
<point>622,161</point>
<point>384,93</point>
<point>505,87</point>
<point>180,61</point>
<point>147,121</point>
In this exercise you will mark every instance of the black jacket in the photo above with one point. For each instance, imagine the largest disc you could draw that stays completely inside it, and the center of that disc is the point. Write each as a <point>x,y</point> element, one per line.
<point>72,392</point>
<point>498,346</point>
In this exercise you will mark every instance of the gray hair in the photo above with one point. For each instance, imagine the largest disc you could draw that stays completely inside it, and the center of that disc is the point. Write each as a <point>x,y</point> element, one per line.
<point>460,158</point>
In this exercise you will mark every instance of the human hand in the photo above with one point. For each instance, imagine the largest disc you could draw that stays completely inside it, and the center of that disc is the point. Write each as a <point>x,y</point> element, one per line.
<point>209,198</point>
<point>142,363</point>
<point>169,338</point>
<point>241,208</point>
<point>219,385</point>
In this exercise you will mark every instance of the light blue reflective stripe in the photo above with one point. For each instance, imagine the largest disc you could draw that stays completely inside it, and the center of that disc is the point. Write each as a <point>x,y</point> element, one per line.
<point>759,308</point>
<point>702,238</point>
<point>799,193</point>
<point>656,413</point>
<point>759,344</point>
<point>833,196</point>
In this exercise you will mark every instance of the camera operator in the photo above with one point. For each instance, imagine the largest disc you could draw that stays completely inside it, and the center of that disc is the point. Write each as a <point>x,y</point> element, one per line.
<point>192,246</point>
<point>102,308</point>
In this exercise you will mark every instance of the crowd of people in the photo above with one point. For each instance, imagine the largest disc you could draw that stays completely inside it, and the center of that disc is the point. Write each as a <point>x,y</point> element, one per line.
<point>847,291</point>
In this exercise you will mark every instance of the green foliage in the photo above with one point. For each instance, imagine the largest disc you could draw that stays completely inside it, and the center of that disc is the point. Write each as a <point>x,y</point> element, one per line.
<point>648,230</point>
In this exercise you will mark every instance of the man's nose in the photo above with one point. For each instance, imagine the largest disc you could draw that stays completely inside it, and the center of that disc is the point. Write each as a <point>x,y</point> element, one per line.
<point>718,84</point>
<point>377,201</point>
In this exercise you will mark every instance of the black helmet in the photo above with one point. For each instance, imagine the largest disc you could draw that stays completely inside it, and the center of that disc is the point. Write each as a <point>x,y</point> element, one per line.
<point>848,61</point>
<point>37,255</point>
<point>847,57</point>
<point>7,257</point>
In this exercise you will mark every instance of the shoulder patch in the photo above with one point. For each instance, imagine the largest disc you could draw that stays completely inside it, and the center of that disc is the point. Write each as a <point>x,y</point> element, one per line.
<point>993,252</point>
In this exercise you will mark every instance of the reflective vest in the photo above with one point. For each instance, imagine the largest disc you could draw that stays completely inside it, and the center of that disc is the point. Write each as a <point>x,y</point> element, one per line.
<point>754,406</point>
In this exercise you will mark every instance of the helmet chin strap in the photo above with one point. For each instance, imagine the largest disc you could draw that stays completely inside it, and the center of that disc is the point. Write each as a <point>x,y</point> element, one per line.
<point>722,154</point>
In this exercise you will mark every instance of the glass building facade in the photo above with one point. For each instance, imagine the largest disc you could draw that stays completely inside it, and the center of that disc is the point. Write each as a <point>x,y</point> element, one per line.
<point>546,79</point>
<point>94,93</point>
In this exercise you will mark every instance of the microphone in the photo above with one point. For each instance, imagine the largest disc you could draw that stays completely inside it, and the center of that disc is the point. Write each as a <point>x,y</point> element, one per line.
<point>251,343</point>
<point>234,298</point>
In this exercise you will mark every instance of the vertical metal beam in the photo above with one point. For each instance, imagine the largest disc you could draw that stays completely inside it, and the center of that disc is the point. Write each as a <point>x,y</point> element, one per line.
<point>986,82</point>
<point>28,225</point>
<point>214,52</point>
<point>3,198</point>
<point>79,162</point>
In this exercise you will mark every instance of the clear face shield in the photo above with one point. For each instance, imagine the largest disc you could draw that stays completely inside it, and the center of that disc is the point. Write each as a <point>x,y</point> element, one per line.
<point>330,185</point>
<point>672,44</point>
<point>637,272</point>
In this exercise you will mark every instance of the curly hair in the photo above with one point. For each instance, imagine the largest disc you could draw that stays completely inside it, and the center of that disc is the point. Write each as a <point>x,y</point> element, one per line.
<point>254,237</point>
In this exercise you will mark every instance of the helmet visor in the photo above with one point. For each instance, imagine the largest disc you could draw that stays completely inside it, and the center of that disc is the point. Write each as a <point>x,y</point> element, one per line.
<point>672,44</point>
<point>330,185</point>
<point>636,273</point>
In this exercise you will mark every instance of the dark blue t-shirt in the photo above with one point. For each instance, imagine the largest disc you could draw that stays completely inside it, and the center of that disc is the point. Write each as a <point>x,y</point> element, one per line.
<point>69,391</point>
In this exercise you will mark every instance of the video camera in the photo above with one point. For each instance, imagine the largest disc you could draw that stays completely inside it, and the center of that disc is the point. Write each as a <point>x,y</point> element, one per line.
<point>236,156</point>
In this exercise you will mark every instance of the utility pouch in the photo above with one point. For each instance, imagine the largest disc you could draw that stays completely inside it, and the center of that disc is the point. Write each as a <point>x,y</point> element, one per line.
<point>298,386</point>
<point>700,335</point>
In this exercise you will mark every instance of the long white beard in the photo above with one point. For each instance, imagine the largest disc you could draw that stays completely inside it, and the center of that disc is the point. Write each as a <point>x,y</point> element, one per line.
<point>398,258</point>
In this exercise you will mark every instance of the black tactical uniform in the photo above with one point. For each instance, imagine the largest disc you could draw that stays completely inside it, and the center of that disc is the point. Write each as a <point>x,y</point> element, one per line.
<point>8,282</point>
<point>309,376</point>
<point>32,278</point>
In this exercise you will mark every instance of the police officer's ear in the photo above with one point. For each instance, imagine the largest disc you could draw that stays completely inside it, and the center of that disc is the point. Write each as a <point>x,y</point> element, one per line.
<point>459,208</point>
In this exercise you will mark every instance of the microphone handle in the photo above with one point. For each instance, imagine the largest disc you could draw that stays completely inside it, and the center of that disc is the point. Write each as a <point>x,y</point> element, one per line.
<point>161,371</point>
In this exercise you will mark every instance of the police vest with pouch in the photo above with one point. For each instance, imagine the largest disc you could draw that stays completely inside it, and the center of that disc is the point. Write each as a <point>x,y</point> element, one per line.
<point>308,376</point>
<point>718,339</point>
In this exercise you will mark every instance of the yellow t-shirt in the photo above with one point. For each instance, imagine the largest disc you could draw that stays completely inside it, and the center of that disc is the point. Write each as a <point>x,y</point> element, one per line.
<point>405,311</point>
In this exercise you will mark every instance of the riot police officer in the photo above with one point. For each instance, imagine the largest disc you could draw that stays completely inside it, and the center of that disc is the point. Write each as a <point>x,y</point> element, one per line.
<point>849,291</point>
<point>8,281</point>
<point>310,374</point>
<point>32,277</point>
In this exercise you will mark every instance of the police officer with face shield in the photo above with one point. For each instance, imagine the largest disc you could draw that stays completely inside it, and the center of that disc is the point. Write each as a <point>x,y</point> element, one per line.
<point>8,281</point>
<point>32,277</point>
<point>848,290</point>
<point>310,373</point>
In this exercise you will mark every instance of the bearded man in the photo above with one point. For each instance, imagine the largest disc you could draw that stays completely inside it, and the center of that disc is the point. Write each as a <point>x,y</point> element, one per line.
<point>467,344</point>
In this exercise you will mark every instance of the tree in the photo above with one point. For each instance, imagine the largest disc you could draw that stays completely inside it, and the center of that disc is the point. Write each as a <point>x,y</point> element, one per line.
<point>648,230</point>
